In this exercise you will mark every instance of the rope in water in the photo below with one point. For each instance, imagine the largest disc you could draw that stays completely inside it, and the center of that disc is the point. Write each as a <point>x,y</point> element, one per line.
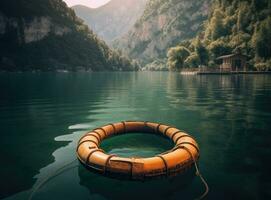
<point>63,169</point>
<point>198,174</point>
<point>56,173</point>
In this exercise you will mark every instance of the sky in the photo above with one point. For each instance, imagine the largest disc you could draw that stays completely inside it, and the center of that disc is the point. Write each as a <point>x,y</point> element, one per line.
<point>88,3</point>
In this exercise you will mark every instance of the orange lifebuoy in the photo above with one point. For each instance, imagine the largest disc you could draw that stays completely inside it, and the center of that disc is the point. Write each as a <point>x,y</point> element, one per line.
<point>184,154</point>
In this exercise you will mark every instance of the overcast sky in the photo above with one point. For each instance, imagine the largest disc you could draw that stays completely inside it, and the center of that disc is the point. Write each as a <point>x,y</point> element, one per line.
<point>89,3</point>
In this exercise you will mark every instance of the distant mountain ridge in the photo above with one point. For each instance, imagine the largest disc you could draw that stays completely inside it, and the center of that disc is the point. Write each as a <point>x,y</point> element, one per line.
<point>47,35</point>
<point>162,25</point>
<point>113,19</point>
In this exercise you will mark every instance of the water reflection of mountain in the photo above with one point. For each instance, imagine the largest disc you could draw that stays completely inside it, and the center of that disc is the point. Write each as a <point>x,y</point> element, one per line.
<point>228,115</point>
<point>35,109</point>
<point>232,110</point>
<point>215,95</point>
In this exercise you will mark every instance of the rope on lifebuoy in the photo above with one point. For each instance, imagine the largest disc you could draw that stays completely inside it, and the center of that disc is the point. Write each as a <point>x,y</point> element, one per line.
<point>165,163</point>
<point>157,128</point>
<point>85,142</point>
<point>124,126</point>
<point>92,152</point>
<point>165,131</point>
<point>182,136</point>
<point>189,143</point>
<point>198,174</point>
<point>174,134</point>
<point>105,133</point>
<point>100,137</point>
<point>107,161</point>
<point>113,128</point>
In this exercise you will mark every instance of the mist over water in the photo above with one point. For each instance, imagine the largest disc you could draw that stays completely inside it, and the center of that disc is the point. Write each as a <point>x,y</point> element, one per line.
<point>42,116</point>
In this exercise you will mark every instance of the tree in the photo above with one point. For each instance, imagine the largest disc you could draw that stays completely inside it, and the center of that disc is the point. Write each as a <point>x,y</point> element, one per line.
<point>263,66</point>
<point>176,57</point>
<point>216,25</point>
<point>243,16</point>
<point>262,39</point>
<point>192,60</point>
<point>219,48</point>
<point>202,53</point>
<point>260,4</point>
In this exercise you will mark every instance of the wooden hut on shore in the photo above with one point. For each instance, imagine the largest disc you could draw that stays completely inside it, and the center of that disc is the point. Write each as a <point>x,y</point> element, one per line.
<point>233,62</point>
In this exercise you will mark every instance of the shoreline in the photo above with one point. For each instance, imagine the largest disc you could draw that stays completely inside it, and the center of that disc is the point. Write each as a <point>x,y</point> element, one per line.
<point>225,73</point>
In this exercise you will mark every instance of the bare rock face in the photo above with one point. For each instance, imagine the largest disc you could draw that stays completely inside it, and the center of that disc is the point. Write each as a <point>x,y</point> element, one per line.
<point>37,29</point>
<point>163,25</point>
<point>40,27</point>
<point>60,31</point>
<point>34,30</point>
<point>112,20</point>
<point>46,35</point>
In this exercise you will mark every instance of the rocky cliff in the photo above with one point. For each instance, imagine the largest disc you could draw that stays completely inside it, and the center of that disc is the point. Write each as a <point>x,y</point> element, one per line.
<point>113,19</point>
<point>47,35</point>
<point>32,30</point>
<point>162,25</point>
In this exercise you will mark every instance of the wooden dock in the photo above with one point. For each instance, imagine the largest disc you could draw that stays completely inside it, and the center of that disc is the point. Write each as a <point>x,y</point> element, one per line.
<point>189,72</point>
<point>233,73</point>
<point>223,73</point>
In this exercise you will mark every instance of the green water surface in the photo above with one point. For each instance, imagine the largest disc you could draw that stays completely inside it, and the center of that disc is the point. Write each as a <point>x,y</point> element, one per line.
<point>42,116</point>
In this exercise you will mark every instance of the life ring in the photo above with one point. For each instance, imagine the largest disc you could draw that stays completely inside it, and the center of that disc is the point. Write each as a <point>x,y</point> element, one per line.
<point>173,162</point>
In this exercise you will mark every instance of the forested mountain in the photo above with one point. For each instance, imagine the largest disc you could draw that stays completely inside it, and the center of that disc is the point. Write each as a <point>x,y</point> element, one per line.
<point>162,25</point>
<point>233,25</point>
<point>113,19</point>
<point>47,35</point>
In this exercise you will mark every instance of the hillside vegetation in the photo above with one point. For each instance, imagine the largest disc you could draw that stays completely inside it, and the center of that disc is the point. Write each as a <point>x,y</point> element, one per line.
<point>47,35</point>
<point>233,25</point>
<point>163,25</point>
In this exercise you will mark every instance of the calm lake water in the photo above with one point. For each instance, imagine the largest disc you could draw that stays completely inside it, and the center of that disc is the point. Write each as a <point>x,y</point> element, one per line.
<point>42,116</point>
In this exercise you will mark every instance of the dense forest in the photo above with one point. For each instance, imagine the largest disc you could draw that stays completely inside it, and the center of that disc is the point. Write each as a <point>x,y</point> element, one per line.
<point>163,25</point>
<point>47,35</point>
<point>233,25</point>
